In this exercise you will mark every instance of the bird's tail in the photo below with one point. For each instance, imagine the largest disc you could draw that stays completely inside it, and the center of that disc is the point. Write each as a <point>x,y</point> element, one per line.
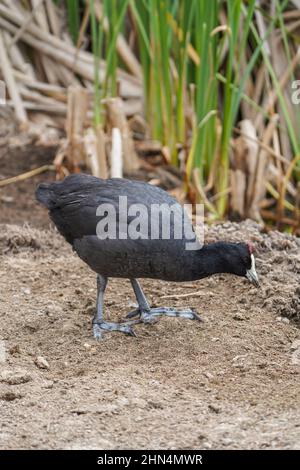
<point>44,194</point>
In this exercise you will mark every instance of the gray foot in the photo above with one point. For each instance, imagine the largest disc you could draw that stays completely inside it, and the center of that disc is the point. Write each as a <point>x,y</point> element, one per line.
<point>150,316</point>
<point>99,328</point>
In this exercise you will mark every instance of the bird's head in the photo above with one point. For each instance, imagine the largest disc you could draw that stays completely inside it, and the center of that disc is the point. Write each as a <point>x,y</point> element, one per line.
<point>232,258</point>
<point>242,261</point>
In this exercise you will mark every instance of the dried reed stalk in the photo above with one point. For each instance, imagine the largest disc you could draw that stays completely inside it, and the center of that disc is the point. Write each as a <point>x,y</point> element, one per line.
<point>116,162</point>
<point>12,86</point>
<point>116,118</point>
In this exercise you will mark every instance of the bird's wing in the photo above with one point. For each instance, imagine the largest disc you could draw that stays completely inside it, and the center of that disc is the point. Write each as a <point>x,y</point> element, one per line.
<point>74,204</point>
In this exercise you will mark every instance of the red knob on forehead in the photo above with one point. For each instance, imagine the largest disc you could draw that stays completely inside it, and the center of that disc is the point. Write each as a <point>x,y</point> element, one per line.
<point>251,247</point>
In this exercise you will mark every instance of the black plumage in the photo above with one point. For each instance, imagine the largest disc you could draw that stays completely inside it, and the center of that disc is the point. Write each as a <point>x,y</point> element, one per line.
<point>73,205</point>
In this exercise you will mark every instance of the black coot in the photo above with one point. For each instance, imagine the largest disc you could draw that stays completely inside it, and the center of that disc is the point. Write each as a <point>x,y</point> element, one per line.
<point>117,238</point>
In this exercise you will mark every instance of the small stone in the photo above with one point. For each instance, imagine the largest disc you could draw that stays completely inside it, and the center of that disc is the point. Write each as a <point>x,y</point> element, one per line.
<point>52,310</point>
<point>47,384</point>
<point>214,408</point>
<point>15,377</point>
<point>285,320</point>
<point>295,345</point>
<point>226,441</point>
<point>208,375</point>
<point>87,346</point>
<point>26,290</point>
<point>207,445</point>
<point>253,402</point>
<point>238,317</point>
<point>41,362</point>
<point>7,199</point>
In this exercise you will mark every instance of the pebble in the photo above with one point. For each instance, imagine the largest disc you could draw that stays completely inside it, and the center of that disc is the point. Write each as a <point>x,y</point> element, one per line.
<point>41,362</point>
<point>295,345</point>
<point>207,445</point>
<point>7,199</point>
<point>238,317</point>
<point>214,408</point>
<point>26,290</point>
<point>226,441</point>
<point>53,310</point>
<point>283,320</point>
<point>208,375</point>
<point>15,377</point>
<point>47,384</point>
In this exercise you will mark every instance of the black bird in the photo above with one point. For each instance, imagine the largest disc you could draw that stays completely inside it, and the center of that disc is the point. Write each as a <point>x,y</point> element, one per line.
<point>119,241</point>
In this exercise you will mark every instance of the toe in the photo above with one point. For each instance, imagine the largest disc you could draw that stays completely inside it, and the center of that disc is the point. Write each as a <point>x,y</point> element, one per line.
<point>133,313</point>
<point>196,316</point>
<point>98,335</point>
<point>133,333</point>
<point>128,330</point>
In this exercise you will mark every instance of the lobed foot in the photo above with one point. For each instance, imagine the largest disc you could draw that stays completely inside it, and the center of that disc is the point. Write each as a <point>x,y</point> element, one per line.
<point>150,316</point>
<point>99,328</point>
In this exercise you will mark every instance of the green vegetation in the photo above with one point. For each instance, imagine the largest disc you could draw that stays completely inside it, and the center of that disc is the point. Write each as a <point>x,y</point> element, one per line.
<point>206,66</point>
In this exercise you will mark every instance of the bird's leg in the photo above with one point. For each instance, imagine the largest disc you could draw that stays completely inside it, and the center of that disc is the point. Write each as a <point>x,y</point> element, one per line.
<point>149,315</point>
<point>99,325</point>
<point>140,297</point>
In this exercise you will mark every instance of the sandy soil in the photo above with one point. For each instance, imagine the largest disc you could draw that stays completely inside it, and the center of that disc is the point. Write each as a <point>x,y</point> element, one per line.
<point>231,382</point>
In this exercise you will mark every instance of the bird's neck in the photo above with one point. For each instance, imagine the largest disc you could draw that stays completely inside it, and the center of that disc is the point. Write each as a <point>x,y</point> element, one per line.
<point>207,261</point>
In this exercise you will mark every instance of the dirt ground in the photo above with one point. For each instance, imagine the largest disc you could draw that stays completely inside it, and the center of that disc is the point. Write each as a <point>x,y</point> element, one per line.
<point>17,201</point>
<point>230,382</point>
